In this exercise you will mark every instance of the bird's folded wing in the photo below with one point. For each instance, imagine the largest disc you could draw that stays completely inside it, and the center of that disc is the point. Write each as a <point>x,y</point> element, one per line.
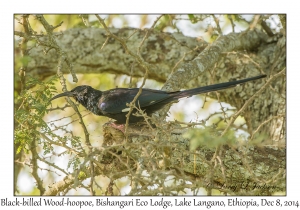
<point>114,101</point>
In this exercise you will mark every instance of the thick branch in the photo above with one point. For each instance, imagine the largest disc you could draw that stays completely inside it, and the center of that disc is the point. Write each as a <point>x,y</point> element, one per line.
<point>211,55</point>
<point>84,50</point>
<point>252,170</point>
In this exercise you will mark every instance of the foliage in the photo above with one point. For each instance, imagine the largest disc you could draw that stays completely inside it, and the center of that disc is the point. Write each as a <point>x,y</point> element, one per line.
<point>209,137</point>
<point>31,111</point>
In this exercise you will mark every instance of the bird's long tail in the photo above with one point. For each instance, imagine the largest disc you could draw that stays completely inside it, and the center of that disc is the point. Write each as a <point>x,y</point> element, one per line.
<point>211,88</point>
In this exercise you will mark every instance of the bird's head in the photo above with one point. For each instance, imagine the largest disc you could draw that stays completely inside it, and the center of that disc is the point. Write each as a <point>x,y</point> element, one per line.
<point>79,93</point>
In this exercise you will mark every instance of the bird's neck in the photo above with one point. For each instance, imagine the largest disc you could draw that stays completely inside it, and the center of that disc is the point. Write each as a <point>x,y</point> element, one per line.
<point>90,100</point>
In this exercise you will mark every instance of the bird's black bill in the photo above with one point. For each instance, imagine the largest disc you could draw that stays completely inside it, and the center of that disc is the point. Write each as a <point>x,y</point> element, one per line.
<point>69,94</point>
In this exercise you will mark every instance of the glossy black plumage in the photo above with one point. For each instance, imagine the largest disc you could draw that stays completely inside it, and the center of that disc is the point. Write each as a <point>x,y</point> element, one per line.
<point>112,103</point>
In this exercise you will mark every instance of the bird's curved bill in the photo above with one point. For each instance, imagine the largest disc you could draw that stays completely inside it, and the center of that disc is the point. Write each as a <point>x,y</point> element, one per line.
<point>69,94</point>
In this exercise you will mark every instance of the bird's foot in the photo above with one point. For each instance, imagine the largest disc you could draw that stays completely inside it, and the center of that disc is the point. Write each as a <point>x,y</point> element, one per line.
<point>120,127</point>
<point>113,133</point>
<point>133,129</point>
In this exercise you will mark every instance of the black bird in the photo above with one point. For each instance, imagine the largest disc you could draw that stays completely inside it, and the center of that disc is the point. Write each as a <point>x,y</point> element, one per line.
<point>112,103</point>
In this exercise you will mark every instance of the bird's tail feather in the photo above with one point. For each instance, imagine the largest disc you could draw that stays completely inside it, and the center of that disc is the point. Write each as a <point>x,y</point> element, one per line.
<point>215,87</point>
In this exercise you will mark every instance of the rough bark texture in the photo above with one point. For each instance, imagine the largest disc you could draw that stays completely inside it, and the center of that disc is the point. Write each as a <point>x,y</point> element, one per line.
<point>245,170</point>
<point>83,47</point>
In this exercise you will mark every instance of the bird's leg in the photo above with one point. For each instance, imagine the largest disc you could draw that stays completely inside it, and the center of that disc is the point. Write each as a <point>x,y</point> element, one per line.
<point>113,134</point>
<point>120,127</point>
<point>134,129</point>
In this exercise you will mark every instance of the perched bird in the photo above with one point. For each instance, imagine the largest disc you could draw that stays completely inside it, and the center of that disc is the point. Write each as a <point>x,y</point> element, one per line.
<point>112,103</point>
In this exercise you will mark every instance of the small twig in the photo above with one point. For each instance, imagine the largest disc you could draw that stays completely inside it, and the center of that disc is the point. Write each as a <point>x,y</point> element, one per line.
<point>63,58</point>
<point>109,189</point>
<point>250,59</point>
<point>131,73</point>
<point>246,164</point>
<point>222,108</point>
<point>81,167</point>
<point>34,163</point>
<point>121,161</point>
<point>58,108</point>
<point>68,117</point>
<point>279,54</point>
<point>114,36</point>
<point>132,104</point>
<point>63,83</point>
<point>217,21</point>
<point>233,117</point>
<point>265,122</point>
<point>24,50</point>
<point>139,59</point>
<point>53,165</point>
<point>60,144</point>
<point>191,124</point>
<point>276,92</point>
<point>131,34</point>
<point>266,28</point>
<point>20,34</point>
<point>53,44</point>
<point>84,20</point>
<point>182,58</point>
<point>92,178</point>
<point>232,23</point>
<point>147,34</point>
<point>254,22</point>
<point>107,38</point>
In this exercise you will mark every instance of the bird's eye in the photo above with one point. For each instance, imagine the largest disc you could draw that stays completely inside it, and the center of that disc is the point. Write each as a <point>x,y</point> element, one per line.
<point>102,106</point>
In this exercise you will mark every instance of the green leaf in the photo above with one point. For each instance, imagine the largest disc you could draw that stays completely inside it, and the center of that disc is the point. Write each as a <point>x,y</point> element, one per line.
<point>209,137</point>
<point>192,18</point>
<point>25,60</point>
